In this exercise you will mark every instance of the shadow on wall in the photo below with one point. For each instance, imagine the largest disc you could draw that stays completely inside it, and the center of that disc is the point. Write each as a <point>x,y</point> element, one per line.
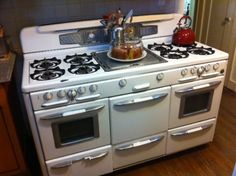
<point>15,14</point>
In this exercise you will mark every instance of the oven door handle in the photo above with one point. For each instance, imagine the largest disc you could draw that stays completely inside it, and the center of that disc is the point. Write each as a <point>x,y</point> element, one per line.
<point>139,143</point>
<point>158,97</point>
<point>198,88</point>
<point>95,156</point>
<point>76,112</point>
<point>69,163</point>
<point>194,130</point>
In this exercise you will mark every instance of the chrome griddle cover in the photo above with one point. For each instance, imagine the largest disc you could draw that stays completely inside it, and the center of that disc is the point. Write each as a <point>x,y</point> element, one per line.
<point>110,65</point>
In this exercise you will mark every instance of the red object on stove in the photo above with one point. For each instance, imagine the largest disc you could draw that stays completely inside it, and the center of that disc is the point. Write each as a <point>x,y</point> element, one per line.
<point>183,34</point>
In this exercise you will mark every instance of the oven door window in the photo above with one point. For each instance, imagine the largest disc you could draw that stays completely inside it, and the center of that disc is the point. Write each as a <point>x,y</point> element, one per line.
<point>192,104</point>
<point>75,131</point>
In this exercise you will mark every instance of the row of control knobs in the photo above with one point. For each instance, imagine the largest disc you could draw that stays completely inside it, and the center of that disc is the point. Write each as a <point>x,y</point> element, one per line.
<point>200,70</point>
<point>72,93</point>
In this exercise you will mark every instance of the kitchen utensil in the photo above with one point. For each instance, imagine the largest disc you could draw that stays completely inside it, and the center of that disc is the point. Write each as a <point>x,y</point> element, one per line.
<point>127,17</point>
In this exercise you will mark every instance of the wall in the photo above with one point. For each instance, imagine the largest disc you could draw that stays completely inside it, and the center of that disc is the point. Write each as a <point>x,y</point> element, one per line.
<point>16,14</point>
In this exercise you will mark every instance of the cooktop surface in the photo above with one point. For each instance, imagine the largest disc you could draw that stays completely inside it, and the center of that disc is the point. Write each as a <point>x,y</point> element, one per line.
<point>109,64</point>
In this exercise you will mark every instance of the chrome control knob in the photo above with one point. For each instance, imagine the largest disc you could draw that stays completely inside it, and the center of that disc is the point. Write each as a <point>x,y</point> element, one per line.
<point>200,70</point>
<point>48,96</point>
<point>160,76</point>
<point>184,72</point>
<point>93,88</point>
<point>122,82</point>
<point>61,93</point>
<point>216,66</point>
<point>81,90</point>
<point>207,67</point>
<point>72,94</point>
<point>193,70</point>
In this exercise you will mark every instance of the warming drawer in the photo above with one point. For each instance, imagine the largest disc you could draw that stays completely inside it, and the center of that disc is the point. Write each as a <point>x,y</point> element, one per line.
<point>190,135</point>
<point>136,151</point>
<point>89,163</point>
<point>137,115</point>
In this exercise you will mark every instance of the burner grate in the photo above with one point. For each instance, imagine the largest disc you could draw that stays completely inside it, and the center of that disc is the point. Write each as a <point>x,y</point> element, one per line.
<point>83,69</point>
<point>160,47</point>
<point>174,54</point>
<point>47,74</point>
<point>201,50</point>
<point>78,59</point>
<point>43,64</point>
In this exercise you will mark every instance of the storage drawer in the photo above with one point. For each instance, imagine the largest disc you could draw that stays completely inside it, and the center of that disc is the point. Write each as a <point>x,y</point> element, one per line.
<point>139,115</point>
<point>89,163</point>
<point>139,150</point>
<point>190,135</point>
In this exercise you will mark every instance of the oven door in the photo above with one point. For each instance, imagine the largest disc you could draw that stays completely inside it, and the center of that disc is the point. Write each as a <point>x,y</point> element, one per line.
<point>74,128</point>
<point>196,101</point>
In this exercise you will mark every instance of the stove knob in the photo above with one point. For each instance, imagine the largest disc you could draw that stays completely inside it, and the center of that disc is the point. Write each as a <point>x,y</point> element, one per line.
<point>184,72</point>
<point>200,70</point>
<point>122,82</point>
<point>71,94</point>
<point>81,90</point>
<point>160,76</point>
<point>48,96</point>
<point>193,70</point>
<point>93,88</point>
<point>207,67</point>
<point>216,66</point>
<point>61,94</point>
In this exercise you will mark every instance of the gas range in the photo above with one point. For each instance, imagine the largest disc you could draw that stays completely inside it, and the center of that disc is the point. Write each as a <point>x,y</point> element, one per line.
<point>80,102</point>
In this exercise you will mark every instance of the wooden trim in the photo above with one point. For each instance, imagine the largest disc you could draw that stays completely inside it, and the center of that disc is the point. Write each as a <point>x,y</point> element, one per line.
<point>4,103</point>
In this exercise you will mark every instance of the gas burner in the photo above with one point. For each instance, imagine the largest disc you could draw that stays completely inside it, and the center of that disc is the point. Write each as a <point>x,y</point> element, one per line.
<point>200,50</point>
<point>78,59</point>
<point>174,54</point>
<point>187,46</point>
<point>160,47</point>
<point>47,74</point>
<point>83,69</point>
<point>43,64</point>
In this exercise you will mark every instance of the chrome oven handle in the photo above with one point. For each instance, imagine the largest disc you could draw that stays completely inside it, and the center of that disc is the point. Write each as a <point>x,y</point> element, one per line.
<point>88,98</point>
<point>158,97</point>
<point>75,112</point>
<point>184,80</point>
<point>210,75</point>
<point>69,163</point>
<point>194,130</point>
<point>55,104</point>
<point>141,87</point>
<point>95,156</point>
<point>139,143</point>
<point>62,165</point>
<point>198,88</point>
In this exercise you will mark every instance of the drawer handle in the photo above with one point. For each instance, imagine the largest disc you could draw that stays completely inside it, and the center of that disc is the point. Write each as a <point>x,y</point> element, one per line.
<point>55,104</point>
<point>88,98</point>
<point>210,75</point>
<point>194,130</point>
<point>95,156</point>
<point>62,165</point>
<point>76,112</point>
<point>158,97</point>
<point>183,80</point>
<point>69,163</point>
<point>139,143</point>
<point>141,87</point>
<point>198,88</point>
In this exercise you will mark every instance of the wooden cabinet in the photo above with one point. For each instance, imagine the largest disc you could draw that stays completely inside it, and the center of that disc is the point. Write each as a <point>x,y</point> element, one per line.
<point>11,158</point>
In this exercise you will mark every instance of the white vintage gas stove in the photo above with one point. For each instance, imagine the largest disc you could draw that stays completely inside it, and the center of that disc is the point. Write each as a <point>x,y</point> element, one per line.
<point>91,115</point>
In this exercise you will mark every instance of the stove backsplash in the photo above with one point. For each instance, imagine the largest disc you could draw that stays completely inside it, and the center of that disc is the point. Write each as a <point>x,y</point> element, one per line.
<point>15,14</point>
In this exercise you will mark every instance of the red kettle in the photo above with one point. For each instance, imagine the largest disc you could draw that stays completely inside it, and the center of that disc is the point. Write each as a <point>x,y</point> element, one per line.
<point>183,34</point>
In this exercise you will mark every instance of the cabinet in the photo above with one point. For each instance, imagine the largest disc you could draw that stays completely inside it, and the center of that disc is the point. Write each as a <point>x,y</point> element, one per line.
<point>11,158</point>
